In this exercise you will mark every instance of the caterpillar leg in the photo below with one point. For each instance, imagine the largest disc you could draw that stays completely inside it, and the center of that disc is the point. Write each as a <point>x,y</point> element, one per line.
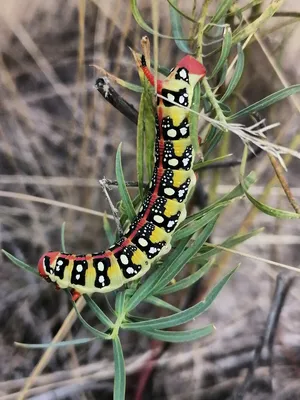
<point>75,294</point>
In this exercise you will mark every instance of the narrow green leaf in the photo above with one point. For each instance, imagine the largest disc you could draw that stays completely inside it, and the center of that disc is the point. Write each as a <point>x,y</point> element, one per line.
<point>226,47</point>
<point>161,303</point>
<point>238,191</point>
<point>220,12</point>
<point>145,134</point>
<point>129,209</point>
<point>179,336</point>
<point>186,282</point>
<point>194,118</point>
<point>149,132</point>
<point>74,342</point>
<point>95,332</point>
<point>114,78</point>
<point>108,231</point>
<point>98,312</point>
<point>178,264</point>
<point>171,267</point>
<point>202,164</point>
<point>229,243</point>
<point>120,301</point>
<point>139,19</point>
<point>206,105</point>
<point>161,69</point>
<point>251,4</point>
<point>212,139</point>
<point>253,26</point>
<point>184,316</point>
<point>176,24</point>
<point>140,146</point>
<point>223,74</point>
<point>147,287</point>
<point>20,263</point>
<point>123,217</point>
<point>200,214</point>
<point>244,162</point>
<point>174,5</point>
<point>196,224</point>
<point>273,212</point>
<point>62,237</point>
<point>237,73</point>
<point>120,374</point>
<point>130,86</point>
<point>267,101</point>
<point>225,108</point>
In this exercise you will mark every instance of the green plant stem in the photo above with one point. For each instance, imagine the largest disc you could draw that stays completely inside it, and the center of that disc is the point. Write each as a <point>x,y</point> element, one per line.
<point>117,325</point>
<point>209,93</point>
<point>201,29</point>
<point>252,28</point>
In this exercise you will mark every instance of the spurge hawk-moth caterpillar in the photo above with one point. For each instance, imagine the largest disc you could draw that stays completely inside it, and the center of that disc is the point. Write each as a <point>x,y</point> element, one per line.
<point>149,235</point>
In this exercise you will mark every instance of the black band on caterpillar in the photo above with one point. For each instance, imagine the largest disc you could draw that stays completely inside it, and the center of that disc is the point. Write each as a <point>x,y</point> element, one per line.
<point>149,235</point>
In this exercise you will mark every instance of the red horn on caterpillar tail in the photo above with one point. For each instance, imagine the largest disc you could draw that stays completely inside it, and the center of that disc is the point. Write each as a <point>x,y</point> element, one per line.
<point>192,65</point>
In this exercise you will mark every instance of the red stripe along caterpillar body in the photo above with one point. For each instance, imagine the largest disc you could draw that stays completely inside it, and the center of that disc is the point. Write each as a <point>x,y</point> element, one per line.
<point>149,235</point>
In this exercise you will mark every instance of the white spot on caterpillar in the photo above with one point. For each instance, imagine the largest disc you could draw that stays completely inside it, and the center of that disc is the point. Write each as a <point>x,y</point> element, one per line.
<point>143,242</point>
<point>152,250</point>
<point>158,218</point>
<point>77,276</point>
<point>170,97</point>
<point>172,133</point>
<point>181,193</point>
<point>101,278</point>
<point>79,268</point>
<point>57,268</point>
<point>59,262</point>
<point>181,99</point>
<point>183,131</point>
<point>185,161</point>
<point>100,266</point>
<point>169,191</point>
<point>124,259</point>
<point>170,224</point>
<point>130,271</point>
<point>183,74</point>
<point>173,162</point>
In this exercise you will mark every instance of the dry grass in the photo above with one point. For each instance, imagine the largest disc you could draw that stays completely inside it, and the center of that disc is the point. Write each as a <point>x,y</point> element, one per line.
<point>58,138</point>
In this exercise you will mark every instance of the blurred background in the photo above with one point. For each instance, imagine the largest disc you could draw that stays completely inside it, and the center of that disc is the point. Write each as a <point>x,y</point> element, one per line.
<point>59,137</point>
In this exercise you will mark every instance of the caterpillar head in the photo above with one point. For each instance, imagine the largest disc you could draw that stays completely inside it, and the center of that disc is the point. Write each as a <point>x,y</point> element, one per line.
<point>45,264</point>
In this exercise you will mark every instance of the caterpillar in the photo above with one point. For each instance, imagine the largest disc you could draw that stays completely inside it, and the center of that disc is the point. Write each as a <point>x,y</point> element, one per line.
<point>149,235</point>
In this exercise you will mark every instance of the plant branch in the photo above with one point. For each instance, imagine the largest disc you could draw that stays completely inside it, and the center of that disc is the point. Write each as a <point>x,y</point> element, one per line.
<point>199,51</point>
<point>210,95</point>
<point>263,353</point>
<point>109,93</point>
